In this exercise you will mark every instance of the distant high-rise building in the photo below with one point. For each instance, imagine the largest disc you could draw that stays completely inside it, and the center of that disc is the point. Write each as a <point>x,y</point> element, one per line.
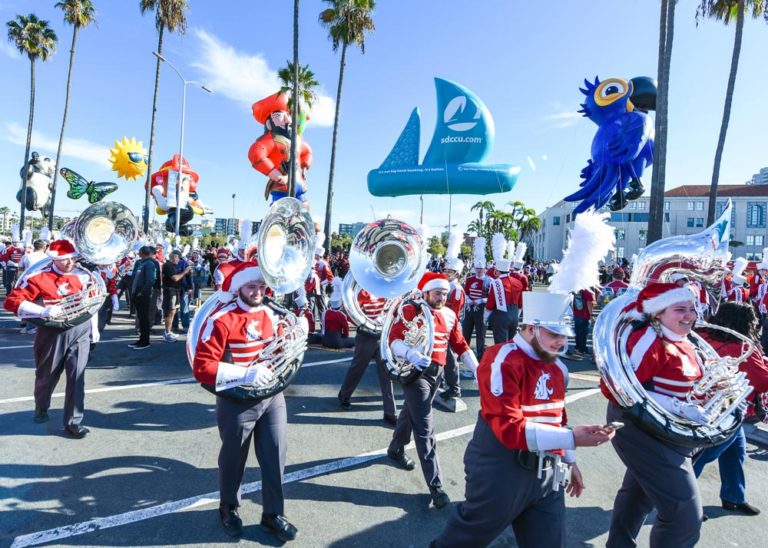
<point>350,230</point>
<point>226,227</point>
<point>759,178</point>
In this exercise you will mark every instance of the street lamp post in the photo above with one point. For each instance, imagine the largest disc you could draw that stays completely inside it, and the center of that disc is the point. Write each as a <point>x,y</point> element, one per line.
<point>181,138</point>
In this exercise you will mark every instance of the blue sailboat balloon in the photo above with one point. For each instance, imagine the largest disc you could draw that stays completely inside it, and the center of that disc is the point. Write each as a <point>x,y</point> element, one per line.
<point>453,164</point>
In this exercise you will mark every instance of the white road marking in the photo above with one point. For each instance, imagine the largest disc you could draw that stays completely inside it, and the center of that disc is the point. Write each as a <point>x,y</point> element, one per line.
<point>100,342</point>
<point>583,377</point>
<point>97,524</point>
<point>183,380</point>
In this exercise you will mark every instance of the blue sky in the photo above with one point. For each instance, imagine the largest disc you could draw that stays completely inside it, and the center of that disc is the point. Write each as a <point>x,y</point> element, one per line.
<point>526,61</point>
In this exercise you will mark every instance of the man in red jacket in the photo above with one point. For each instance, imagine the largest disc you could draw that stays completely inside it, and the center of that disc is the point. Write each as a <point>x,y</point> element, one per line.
<point>416,414</point>
<point>11,260</point>
<point>505,299</point>
<point>226,357</point>
<point>56,350</point>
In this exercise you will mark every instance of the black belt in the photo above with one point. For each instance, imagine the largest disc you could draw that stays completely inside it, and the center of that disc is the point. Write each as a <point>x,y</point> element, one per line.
<point>530,460</point>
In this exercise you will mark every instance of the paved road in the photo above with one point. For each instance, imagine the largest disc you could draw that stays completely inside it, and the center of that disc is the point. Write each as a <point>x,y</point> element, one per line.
<point>146,475</point>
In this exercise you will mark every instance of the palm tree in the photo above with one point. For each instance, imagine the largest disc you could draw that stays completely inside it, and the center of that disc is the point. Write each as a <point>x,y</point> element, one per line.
<point>4,211</point>
<point>35,39</point>
<point>347,22</point>
<point>307,85</point>
<point>78,13</point>
<point>483,208</point>
<point>726,11</point>
<point>169,15</point>
<point>656,202</point>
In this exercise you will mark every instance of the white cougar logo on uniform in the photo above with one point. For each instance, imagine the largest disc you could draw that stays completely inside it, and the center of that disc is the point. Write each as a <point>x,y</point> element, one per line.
<point>64,289</point>
<point>252,331</point>
<point>542,391</point>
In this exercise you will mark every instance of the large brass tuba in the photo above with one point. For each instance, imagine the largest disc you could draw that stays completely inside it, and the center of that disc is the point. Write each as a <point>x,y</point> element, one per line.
<point>387,259</point>
<point>350,290</point>
<point>724,389</point>
<point>102,234</point>
<point>285,251</point>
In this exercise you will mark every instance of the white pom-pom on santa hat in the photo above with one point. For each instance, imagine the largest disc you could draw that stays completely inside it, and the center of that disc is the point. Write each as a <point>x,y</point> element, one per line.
<point>244,273</point>
<point>433,280</point>
<point>61,249</point>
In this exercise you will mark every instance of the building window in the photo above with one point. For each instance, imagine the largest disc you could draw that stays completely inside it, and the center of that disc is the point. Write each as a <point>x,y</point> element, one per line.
<point>619,252</point>
<point>568,218</point>
<point>759,239</point>
<point>750,240</point>
<point>640,205</point>
<point>756,214</point>
<point>699,222</point>
<point>666,206</point>
<point>720,207</point>
<point>620,233</point>
<point>690,222</point>
<point>666,217</point>
<point>699,206</point>
<point>642,234</point>
<point>690,206</point>
<point>632,205</point>
<point>555,221</point>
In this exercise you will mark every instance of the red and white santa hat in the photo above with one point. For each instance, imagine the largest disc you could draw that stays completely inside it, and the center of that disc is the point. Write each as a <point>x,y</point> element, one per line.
<point>433,280</point>
<point>61,249</point>
<point>222,252</point>
<point>242,274</point>
<point>655,297</point>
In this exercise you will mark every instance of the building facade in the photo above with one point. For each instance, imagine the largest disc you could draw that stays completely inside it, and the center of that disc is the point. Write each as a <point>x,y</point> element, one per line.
<point>759,178</point>
<point>350,230</point>
<point>685,212</point>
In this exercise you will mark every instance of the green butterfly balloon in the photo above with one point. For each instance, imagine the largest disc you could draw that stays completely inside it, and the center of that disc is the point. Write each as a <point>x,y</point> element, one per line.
<point>79,187</point>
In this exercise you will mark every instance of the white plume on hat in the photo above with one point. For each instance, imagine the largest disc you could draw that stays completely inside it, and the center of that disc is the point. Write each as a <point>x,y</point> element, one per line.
<point>185,251</point>
<point>478,252</point>
<point>589,241</point>
<point>510,249</point>
<point>45,234</point>
<point>763,265</point>
<point>522,247</point>
<point>498,247</point>
<point>27,237</point>
<point>423,231</point>
<point>335,298</point>
<point>452,253</point>
<point>195,244</point>
<point>739,265</point>
<point>15,233</point>
<point>245,229</point>
<point>319,242</point>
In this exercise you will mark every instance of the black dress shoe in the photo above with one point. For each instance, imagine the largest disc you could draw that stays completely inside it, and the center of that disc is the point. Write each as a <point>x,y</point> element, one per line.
<point>403,460</point>
<point>743,507</point>
<point>451,393</point>
<point>390,419</point>
<point>279,526</point>
<point>439,497</point>
<point>76,431</point>
<point>230,520</point>
<point>41,416</point>
<point>346,405</point>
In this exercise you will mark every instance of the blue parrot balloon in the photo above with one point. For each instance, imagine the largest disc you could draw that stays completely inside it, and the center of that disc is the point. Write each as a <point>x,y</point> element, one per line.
<point>623,145</point>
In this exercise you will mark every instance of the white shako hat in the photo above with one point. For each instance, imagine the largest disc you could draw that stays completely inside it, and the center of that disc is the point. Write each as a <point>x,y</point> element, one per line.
<point>498,249</point>
<point>763,265</point>
<point>590,240</point>
<point>244,273</point>
<point>522,247</point>
<point>452,261</point>
<point>478,252</point>
<point>739,265</point>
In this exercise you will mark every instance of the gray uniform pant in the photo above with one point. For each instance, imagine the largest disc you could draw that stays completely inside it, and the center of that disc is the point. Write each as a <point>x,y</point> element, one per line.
<point>501,492</point>
<point>416,417</point>
<point>367,349</point>
<point>504,324</point>
<point>58,351</point>
<point>659,475</point>
<point>265,421</point>
<point>451,371</point>
<point>473,321</point>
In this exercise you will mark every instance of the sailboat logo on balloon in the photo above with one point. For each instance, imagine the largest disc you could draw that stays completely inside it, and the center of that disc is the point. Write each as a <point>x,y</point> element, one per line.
<point>463,138</point>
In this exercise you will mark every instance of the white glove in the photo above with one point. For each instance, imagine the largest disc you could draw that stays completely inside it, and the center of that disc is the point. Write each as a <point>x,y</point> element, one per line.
<point>259,375</point>
<point>692,412</point>
<point>417,359</point>
<point>52,311</point>
<point>276,176</point>
<point>469,361</point>
<point>115,303</point>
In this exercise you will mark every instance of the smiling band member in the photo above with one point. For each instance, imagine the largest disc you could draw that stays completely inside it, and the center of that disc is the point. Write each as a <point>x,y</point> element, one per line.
<point>226,356</point>
<point>521,452</point>
<point>56,350</point>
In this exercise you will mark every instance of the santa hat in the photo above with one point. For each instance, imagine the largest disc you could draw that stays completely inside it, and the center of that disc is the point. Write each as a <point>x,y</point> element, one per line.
<point>61,249</point>
<point>763,265</point>
<point>262,109</point>
<point>739,265</point>
<point>452,254</point>
<point>522,247</point>
<point>655,297</point>
<point>433,280</point>
<point>478,252</point>
<point>244,273</point>
<point>222,252</point>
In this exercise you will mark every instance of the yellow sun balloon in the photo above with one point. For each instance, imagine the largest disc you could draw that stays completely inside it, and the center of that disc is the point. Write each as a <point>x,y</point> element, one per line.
<point>129,158</point>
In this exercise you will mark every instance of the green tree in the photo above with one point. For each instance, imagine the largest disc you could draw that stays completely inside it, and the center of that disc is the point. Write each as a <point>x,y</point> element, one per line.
<point>169,15</point>
<point>347,22</point>
<point>656,202</point>
<point>79,14</point>
<point>35,39</point>
<point>307,85</point>
<point>436,247</point>
<point>727,11</point>
<point>483,208</point>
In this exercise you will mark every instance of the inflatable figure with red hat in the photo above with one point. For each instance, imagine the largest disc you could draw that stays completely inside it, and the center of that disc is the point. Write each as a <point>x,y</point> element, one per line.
<point>270,154</point>
<point>163,190</point>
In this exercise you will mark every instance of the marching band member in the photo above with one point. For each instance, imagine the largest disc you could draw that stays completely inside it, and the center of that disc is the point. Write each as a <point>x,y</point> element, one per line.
<point>227,265</point>
<point>476,289</point>
<point>521,451</point>
<point>56,350</point>
<point>517,266</point>
<point>617,285</point>
<point>108,273</point>
<point>761,301</point>
<point>335,326</point>
<point>659,474</point>
<point>456,301</point>
<point>223,268</point>
<point>416,414</point>
<point>505,299</point>
<point>367,348</point>
<point>11,259</point>
<point>226,355</point>
<point>733,283</point>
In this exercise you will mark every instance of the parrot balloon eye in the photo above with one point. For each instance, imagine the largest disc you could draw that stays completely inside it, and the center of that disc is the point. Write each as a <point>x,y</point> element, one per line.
<point>610,90</point>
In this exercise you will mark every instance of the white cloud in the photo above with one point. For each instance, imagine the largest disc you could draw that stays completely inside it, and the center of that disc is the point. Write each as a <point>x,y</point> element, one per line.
<point>72,148</point>
<point>564,119</point>
<point>246,78</point>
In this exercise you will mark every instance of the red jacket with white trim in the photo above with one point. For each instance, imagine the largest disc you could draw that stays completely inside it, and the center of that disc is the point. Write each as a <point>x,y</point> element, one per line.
<point>447,332</point>
<point>46,287</point>
<point>513,293</point>
<point>456,299</point>
<point>323,272</point>
<point>236,334</point>
<point>12,255</point>
<point>520,277</point>
<point>224,270</point>
<point>474,288</point>
<point>334,321</point>
<point>519,391</point>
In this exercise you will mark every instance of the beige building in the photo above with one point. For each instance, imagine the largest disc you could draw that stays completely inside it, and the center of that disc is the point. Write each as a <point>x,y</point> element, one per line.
<point>685,212</point>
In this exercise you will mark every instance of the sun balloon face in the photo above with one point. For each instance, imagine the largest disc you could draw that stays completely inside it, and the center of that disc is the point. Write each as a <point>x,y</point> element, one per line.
<point>129,158</point>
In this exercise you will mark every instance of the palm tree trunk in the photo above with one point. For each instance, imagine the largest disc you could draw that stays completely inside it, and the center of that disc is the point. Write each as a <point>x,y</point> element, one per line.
<point>63,125</point>
<point>656,205</point>
<point>726,112</point>
<point>329,198</point>
<point>152,130</point>
<point>29,143</point>
<point>295,110</point>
